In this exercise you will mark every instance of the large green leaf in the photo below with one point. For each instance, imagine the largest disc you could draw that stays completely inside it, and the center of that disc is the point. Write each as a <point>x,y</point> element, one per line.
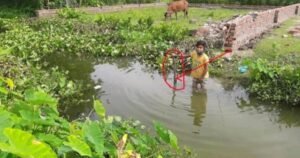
<point>162,132</point>
<point>94,134</point>
<point>40,98</point>
<point>79,146</point>
<point>4,155</point>
<point>173,139</point>
<point>99,108</point>
<point>50,139</point>
<point>3,90</point>
<point>20,105</point>
<point>24,145</point>
<point>61,151</point>
<point>5,121</point>
<point>5,51</point>
<point>166,135</point>
<point>34,117</point>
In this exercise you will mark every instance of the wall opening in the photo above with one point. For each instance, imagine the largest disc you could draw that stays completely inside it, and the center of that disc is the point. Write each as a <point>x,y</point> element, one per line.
<point>296,10</point>
<point>276,16</point>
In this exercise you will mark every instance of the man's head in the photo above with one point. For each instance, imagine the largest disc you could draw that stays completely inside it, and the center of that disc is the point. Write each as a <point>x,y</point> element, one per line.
<point>200,47</point>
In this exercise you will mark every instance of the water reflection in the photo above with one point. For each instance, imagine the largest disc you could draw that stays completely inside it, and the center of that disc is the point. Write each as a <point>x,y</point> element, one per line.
<point>284,115</point>
<point>198,105</point>
<point>120,63</point>
<point>79,69</point>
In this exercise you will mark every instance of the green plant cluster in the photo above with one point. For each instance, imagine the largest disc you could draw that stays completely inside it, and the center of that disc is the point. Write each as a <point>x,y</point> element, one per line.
<point>274,81</point>
<point>6,12</point>
<point>69,13</point>
<point>31,127</point>
<point>248,2</point>
<point>52,80</point>
<point>106,36</point>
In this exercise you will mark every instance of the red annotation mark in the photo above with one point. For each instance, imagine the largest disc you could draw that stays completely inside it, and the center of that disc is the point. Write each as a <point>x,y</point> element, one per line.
<point>172,52</point>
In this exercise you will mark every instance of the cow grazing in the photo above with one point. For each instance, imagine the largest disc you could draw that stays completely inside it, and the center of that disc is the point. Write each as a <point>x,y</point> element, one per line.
<point>177,6</point>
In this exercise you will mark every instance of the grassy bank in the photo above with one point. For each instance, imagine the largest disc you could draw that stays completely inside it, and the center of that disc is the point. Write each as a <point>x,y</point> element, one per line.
<point>198,15</point>
<point>280,44</point>
<point>275,74</point>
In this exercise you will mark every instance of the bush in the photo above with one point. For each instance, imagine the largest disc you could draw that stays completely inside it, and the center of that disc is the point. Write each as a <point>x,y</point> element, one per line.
<point>275,82</point>
<point>69,13</point>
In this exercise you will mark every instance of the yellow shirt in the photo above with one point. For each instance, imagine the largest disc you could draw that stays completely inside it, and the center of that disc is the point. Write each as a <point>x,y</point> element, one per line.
<point>196,61</point>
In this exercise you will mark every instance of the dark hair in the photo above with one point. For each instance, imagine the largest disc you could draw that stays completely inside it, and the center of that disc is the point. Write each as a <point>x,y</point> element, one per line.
<point>202,43</point>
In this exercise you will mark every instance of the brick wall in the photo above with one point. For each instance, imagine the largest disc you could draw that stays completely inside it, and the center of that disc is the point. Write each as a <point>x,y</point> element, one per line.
<point>253,25</point>
<point>231,6</point>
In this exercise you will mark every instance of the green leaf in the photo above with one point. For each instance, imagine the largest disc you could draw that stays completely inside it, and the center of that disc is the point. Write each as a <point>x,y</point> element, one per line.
<point>162,132</point>
<point>99,108</point>
<point>63,150</point>
<point>79,146</point>
<point>5,121</point>
<point>51,139</point>
<point>129,146</point>
<point>24,145</point>
<point>40,98</point>
<point>20,105</point>
<point>166,135</point>
<point>5,51</point>
<point>3,90</point>
<point>34,117</point>
<point>173,140</point>
<point>10,83</point>
<point>94,134</point>
<point>4,155</point>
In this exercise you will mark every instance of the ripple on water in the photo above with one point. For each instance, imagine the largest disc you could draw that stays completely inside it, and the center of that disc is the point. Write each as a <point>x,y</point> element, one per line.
<point>213,122</point>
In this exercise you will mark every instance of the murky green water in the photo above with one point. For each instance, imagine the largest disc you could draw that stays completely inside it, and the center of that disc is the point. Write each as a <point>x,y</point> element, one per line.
<point>221,122</point>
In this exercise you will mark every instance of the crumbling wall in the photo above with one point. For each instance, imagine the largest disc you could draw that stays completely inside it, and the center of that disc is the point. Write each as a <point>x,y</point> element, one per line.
<point>242,31</point>
<point>253,25</point>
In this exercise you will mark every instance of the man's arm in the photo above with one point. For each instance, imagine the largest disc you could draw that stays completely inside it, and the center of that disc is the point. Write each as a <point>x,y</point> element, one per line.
<point>205,68</point>
<point>204,71</point>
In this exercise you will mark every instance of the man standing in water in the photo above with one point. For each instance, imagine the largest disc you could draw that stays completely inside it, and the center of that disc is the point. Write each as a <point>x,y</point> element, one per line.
<point>198,58</point>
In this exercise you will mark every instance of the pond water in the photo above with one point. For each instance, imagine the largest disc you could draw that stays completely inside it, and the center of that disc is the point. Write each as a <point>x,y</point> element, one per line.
<point>222,121</point>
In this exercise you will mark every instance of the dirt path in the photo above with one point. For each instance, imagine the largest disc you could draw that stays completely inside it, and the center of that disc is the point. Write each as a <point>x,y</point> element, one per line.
<point>104,9</point>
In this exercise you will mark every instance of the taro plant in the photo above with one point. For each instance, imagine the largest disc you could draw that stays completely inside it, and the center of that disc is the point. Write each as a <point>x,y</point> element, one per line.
<point>33,128</point>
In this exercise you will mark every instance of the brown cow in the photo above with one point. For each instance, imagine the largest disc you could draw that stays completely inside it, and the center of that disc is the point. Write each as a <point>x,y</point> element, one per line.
<point>177,6</point>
